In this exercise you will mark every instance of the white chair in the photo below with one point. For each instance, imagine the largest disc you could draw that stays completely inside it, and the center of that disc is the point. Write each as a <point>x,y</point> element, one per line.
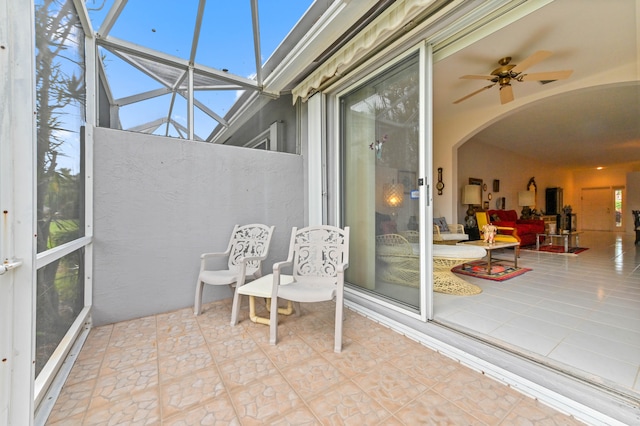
<point>248,247</point>
<point>318,257</point>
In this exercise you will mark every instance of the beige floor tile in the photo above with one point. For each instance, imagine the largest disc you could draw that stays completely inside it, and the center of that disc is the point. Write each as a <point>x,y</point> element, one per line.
<point>137,408</point>
<point>231,347</point>
<point>179,369</point>
<point>300,416</point>
<point>390,386</point>
<point>263,400</point>
<point>245,369</point>
<point>190,390</point>
<point>97,342</point>
<point>180,363</point>
<point>218,411</point>
<point>347,404</point>
<point>432,409</point>
<point>73,401</point>
<point>531,412</point>
<point>85,368</point>
<point>126,381</point>
<point>354,359</point>
<point>311,377</point>
<point>478,395</point>
<point>425,365</point>
<point>116,359</point>
<point>290,350</point>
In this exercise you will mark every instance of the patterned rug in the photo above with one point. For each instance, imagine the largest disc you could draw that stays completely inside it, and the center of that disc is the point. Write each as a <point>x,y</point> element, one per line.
<point>573,251</point>
<point>499,272</point>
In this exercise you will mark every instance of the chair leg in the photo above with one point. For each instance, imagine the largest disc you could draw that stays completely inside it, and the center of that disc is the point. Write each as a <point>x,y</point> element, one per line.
<point>339,317</point>
<point>235,307</point>
<point>273,322</point>
<point>197,306</point>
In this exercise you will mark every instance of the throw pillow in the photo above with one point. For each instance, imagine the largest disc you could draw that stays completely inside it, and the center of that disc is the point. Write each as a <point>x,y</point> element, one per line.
<point>495,217</point>
<point>441,223</point>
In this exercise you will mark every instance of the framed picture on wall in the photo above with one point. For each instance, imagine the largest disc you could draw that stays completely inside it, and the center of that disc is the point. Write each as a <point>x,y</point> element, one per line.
<point>496,185</point>
<point>408,179</point>
<point>475,181</point>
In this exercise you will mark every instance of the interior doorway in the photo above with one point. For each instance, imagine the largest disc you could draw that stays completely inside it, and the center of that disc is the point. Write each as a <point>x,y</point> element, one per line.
<point>598,209</point>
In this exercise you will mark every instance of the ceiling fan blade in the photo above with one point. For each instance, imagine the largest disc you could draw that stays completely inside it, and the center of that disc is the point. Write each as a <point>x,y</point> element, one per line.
<point>474,93</point>
<point>544,76</point>
<point>506,94</point>
<point>478,77</point>
<point>540,55</point>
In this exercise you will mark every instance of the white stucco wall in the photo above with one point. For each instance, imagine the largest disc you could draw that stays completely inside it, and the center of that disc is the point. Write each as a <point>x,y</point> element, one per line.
<point>161,202</point>
<point>513,170</point>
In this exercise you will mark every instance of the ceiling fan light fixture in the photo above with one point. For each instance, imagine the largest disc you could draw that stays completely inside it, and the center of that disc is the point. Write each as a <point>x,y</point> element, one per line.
<point>507,72</point>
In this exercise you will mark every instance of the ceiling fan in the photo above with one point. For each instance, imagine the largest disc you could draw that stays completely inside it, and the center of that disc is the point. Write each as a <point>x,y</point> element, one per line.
<point>507,72</point>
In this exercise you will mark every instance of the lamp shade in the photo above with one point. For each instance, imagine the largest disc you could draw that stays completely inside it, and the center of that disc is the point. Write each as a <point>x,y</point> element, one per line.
<point>526,198</point>
<point>471,194</point>
<point>393,194</point>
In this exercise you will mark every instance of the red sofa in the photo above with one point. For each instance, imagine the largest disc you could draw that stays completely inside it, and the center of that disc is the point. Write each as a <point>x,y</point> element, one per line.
<point>527,228</point>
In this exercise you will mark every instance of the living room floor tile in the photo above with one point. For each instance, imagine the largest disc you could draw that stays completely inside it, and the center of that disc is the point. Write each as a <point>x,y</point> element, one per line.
<point>589,303</point>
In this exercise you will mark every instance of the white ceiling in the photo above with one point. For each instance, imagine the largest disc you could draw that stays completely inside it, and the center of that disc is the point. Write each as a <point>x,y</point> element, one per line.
<point>591,119</point>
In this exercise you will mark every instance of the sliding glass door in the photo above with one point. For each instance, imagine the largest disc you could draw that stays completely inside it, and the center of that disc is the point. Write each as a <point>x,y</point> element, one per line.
<point>380,146</point>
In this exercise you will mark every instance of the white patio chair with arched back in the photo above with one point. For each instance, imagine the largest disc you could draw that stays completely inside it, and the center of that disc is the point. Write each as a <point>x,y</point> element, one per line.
<point>318,257</point>
<point>248,247</point>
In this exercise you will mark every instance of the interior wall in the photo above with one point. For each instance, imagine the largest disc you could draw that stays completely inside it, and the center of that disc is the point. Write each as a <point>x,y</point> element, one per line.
<point>607,178</point>
<point>161,202</point>
<point>481,161</point>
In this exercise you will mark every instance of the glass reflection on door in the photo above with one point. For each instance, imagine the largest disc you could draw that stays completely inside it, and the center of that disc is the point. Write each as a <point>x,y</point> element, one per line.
<point>380,152</point>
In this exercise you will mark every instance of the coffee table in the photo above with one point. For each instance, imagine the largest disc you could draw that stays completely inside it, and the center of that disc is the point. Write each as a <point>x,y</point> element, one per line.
<point>491,247</point>
<point>565,237</point>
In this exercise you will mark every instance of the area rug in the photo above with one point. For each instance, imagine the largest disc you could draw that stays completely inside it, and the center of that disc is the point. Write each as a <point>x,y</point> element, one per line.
<point>499,272</point>
<point>573,251</point>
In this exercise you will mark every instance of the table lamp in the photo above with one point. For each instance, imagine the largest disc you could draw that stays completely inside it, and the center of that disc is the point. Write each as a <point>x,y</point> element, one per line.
<point>526,199</point>
<point>471,195</point>
<point>393,194</point>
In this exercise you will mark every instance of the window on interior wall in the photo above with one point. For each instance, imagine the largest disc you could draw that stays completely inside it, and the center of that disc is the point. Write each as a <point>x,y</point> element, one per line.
<point>380,160</point>
<point>60,103</point>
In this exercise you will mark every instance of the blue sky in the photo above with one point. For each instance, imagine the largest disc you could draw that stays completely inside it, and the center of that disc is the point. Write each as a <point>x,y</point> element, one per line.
<point>226,42</point>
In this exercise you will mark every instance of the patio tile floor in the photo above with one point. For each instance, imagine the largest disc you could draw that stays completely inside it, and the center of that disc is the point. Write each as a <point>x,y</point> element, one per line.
<point>178,369</point>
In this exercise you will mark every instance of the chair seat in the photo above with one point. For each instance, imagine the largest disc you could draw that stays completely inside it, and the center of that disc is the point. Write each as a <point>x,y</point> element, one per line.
<point>222,277</point>
<point>262,286</point>
<point>304,291</point>
<point>308,291</point>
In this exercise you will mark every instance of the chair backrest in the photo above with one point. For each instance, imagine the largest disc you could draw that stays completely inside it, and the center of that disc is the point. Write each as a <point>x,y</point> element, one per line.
<point>483,219</point>
<point>318,250</point>
<point>249,241</point>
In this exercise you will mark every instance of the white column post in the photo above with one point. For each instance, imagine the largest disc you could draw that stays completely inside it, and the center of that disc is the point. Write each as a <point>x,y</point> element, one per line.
<point>315,159</point>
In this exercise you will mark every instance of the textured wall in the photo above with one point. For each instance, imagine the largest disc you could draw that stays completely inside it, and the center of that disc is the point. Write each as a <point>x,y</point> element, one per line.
<point>161,202</point>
